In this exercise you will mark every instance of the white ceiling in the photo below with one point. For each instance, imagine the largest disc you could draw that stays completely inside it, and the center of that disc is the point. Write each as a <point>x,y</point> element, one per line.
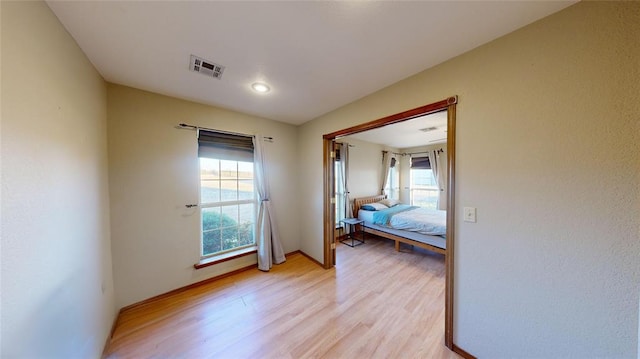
<point>316,56</point>
<point>408,134</point>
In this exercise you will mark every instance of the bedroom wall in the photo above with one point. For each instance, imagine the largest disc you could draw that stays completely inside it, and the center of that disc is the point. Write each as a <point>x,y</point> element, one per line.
<point>405,167</point>
<point>365,167</point>
<point>547,150</point>
<point>154,173</point>
<point>57,287</point>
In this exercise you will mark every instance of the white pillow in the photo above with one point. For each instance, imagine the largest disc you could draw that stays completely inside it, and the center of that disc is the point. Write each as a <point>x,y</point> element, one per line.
<point>390,202</point>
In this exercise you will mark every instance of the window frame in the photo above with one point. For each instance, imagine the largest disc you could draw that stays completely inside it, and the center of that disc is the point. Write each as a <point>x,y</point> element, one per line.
<point>412,187</point>
<point>202,206</point>
<point>393,187</point>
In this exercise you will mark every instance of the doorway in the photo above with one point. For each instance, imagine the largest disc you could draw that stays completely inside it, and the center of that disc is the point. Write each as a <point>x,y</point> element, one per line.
<point>448,105</point>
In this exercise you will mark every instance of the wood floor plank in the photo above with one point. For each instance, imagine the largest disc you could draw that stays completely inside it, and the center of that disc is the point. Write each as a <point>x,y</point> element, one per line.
<point>376,303</point>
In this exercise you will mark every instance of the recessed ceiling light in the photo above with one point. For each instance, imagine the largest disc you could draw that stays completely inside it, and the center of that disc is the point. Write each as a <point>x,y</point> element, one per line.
<point>260,87</point>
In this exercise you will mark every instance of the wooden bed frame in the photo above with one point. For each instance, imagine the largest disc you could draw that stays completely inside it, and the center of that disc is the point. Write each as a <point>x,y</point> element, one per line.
<point>359,202</point>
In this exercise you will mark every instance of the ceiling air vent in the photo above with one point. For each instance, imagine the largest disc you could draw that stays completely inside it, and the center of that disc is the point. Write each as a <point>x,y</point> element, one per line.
<point>428,129</point>
<point>206,67</point>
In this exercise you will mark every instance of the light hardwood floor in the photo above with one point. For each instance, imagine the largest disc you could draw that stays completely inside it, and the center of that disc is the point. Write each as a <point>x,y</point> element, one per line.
<point>376,303</point>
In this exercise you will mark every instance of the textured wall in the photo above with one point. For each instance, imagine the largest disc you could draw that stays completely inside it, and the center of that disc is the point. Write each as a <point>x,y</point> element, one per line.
<point>153,173</point>
<point>57,287</point>
<point>365,167</point>
<point>547,150</point>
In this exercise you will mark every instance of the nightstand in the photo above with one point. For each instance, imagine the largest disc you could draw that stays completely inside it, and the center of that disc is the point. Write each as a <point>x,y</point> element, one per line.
<point>352,223</point>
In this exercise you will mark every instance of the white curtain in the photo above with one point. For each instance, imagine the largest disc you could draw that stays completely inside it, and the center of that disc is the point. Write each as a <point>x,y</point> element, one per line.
<point>344,167</point>
<point>442,180</point>
<point>386,165</point>
<point>269,247</point>
<point>344,157</point>
<point>440,175</point>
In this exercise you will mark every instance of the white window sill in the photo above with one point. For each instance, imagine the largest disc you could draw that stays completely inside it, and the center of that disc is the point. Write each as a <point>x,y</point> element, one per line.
<point>209,261</point>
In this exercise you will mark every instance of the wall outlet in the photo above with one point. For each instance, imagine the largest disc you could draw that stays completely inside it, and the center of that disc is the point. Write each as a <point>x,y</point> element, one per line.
<point>470,214</point>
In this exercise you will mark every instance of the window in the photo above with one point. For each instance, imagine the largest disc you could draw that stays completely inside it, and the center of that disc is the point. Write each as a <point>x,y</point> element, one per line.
<point>339,187</point>
<point>227,195</point>
<point>423,189</point>
<point>393,183</point>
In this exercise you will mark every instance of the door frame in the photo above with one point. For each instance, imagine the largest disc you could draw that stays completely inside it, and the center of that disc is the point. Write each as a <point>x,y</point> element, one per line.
<point>449,105</point>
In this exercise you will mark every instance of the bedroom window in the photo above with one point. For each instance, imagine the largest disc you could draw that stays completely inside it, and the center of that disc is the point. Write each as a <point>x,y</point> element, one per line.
<point>424,191</point>
<point>393,184</point>
<point>339,186</point>
<point>227,193</point>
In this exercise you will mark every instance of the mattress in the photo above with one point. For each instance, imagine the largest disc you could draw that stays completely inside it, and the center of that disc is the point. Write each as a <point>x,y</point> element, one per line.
<point>437,241</point>
<point>412,218</point>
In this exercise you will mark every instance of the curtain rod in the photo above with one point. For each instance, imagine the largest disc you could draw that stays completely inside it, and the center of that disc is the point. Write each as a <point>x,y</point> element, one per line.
<point>197,128</point>
<point>414,153</point>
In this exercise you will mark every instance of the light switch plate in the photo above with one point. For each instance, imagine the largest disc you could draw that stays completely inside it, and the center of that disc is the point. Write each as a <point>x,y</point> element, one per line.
<point>470,214</point>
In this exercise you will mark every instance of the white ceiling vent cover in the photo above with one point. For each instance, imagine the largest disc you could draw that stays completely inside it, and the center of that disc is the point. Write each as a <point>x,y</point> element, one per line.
<point>206,67</point>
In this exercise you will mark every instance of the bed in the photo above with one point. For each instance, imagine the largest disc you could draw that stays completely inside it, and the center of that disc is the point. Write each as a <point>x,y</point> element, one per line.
<point>434,242</point>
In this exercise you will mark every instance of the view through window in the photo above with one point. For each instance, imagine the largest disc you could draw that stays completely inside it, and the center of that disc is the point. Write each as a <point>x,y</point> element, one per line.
<point>228,204</point>
<point>393,183</point>
<point>423,189</point>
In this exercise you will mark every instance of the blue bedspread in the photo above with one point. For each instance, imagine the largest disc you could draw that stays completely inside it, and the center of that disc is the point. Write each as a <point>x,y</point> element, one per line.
<point>382,217</point>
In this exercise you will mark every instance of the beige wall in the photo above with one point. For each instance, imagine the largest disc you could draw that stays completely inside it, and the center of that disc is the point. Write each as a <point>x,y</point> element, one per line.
<point>57,287</point>
<point>154,173</point>
<point>547,151</point>
<point>365,167</point>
